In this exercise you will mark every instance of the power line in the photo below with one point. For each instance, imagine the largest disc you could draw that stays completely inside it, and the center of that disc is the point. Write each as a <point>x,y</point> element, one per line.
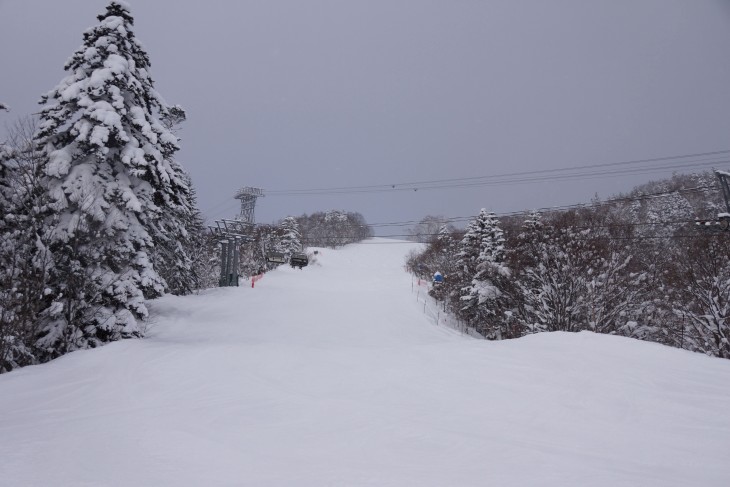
<point>611,201</point>
<point>506,182</point>
<point>574,227</point>
<point>640,170</point>
<point>226,203</point>
<point>621,199</point>
<point>522,173</point>
<point>597,238</point>
<point>705,159</point>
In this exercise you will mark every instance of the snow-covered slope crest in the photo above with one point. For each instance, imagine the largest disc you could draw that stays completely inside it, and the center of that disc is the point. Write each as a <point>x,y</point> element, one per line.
<point>333,376</point>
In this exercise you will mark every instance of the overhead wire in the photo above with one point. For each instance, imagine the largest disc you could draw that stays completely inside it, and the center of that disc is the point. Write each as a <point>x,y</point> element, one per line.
<point>594,238</point>
<point>598,204</point>
<point>506,182</point>
<point>579,206</point>
<point>585,171</point>
<point>543,175</point>
<point>575,227</point>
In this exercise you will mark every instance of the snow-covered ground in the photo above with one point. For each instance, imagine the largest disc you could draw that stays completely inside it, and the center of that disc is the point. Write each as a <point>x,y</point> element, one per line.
<point>333,376</point>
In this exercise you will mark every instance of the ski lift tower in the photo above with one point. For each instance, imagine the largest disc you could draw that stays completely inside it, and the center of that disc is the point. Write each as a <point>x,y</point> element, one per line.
<point>233,233</point>
<point>248,196</point>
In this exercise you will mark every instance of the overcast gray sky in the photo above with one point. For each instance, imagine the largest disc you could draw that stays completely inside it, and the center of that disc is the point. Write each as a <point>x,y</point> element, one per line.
<point>296,94</point>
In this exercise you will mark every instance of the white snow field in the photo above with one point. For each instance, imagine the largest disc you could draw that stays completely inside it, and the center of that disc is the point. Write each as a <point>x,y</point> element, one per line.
<point>333,376</point>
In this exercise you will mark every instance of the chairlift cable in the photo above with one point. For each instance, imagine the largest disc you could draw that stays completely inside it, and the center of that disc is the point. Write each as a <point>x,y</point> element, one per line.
<point>496,179</point>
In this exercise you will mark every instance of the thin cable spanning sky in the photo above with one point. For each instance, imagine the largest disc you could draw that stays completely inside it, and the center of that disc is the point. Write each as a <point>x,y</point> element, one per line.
<point>290,95</point>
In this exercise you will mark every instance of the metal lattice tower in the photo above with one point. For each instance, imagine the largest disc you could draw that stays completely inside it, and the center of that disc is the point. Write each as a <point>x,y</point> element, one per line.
<point>234,233</point>
<point>248,197</point>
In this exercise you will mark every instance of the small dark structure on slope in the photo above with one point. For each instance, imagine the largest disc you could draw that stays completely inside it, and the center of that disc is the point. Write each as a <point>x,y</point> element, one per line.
<point>299,260</point>
<point>275,258</point>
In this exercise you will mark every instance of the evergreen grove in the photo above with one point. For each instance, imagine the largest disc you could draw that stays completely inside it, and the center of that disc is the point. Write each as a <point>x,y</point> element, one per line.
<point>634,266</point>
<point>98,216</point>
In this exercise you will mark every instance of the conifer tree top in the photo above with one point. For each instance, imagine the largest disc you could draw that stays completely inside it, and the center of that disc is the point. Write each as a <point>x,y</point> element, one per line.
<point>113,35</point>
<point>108,98</point>
<point>105,119</point>
<point>117,9</point>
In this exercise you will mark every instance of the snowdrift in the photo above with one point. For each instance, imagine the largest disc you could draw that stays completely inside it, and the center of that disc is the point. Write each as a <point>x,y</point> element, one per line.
<point>333,376</point>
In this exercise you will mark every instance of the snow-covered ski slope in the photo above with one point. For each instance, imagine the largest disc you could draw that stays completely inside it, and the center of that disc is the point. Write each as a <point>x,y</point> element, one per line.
<point>333,376</point>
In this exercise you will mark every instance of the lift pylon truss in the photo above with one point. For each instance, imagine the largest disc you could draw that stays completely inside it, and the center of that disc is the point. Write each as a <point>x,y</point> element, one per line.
<point>248,196</point>
<point>232,234</point>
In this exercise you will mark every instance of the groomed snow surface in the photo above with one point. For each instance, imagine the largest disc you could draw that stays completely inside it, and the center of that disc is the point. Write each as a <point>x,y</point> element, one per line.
<point>334,376</point>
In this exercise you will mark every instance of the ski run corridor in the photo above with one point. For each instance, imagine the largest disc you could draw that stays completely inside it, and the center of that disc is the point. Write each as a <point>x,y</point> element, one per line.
<point>344,374</point>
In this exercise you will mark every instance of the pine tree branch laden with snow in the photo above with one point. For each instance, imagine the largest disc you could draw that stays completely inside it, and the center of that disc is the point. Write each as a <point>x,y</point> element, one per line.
<point>290,238</point>
<point>118,198</point>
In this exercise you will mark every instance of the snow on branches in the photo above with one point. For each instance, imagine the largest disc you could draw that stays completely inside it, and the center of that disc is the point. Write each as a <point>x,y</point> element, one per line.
<point>119,202</point>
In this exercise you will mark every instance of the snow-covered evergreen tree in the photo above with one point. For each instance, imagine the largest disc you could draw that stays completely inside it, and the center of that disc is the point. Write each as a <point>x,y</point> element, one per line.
<point>475,246</point>
<point>111,179</point>
<point>290,240</point>
<point>487,298</point>
<point>440,256</point>
<point>178,236</point>
<point>471,244</point>
<point>8,331</point>
<point>522,256</point>
<point>446,247</point>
